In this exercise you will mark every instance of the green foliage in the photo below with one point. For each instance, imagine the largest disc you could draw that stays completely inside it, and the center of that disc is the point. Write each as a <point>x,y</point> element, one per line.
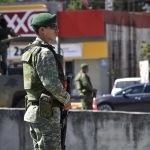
<point>128,5</point>
<point>93,4</point>
<point>8,1</point>
<point>114,73</point>
<point>145,50</point>
<point>118,5</point>
<point>75,5</point>
<point>97,4</point>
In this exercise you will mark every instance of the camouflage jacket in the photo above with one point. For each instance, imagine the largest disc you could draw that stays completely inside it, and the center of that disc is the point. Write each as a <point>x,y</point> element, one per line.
<point>83,83</point>
<point>41,73</point>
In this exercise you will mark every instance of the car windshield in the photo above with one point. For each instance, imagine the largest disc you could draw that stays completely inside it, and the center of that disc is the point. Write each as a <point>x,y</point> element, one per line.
<point>124,84</point>
<point>132,90</point>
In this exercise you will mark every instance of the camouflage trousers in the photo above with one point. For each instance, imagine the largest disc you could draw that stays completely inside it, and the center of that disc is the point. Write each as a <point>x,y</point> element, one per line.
<point>46,133</point>
<point>87,102</point>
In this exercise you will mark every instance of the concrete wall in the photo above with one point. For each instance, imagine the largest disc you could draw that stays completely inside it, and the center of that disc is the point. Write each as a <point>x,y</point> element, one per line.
<point>14,133</point>
<point>108,131</point>
<point>86,130</point>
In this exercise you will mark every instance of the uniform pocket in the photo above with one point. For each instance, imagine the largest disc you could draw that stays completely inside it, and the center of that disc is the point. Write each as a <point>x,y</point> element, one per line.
<point>56,115</point>
<point>45,109</point>
<point>32,114</point>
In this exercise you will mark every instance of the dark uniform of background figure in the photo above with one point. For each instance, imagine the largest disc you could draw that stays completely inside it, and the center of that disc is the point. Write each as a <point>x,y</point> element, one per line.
<point>43,82</point>
<point>5,32</point>
<point>84,87</point>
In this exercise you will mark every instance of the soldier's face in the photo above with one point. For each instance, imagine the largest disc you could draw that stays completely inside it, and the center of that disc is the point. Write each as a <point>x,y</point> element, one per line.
<point>48,33</point>
<point>85,69</point>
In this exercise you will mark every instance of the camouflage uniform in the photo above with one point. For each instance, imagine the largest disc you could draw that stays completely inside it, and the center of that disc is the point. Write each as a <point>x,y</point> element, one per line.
<point>4,32</point>
<point>85,89</point>
<point>42,75</point>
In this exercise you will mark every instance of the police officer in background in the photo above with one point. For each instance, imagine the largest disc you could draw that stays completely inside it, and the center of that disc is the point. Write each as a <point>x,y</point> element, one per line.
<point>43,82</point>
<point>84,86</point>
<point>5,32</point>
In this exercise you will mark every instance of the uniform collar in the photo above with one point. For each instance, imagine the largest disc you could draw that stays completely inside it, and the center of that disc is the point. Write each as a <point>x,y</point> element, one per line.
<point>38,40</point>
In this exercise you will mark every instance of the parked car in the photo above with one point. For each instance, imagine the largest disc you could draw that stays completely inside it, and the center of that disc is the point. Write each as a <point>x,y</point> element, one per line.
<point>122,83</point>
<point>133,98</point>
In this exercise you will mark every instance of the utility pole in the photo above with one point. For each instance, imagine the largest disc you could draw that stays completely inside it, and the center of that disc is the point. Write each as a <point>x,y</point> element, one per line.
<point>58,45</point>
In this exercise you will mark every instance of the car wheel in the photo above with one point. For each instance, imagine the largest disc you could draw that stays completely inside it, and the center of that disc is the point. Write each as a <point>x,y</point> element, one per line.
<point>105,107</point>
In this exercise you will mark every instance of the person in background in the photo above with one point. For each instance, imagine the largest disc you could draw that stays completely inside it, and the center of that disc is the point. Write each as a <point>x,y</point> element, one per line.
<point>5,33</point>
<point>43,82</point>
<point>84,86</point>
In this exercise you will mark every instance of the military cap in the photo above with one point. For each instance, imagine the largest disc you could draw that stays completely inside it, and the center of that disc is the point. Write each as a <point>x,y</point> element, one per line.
<point>84,65</point>
<point>43,19</point>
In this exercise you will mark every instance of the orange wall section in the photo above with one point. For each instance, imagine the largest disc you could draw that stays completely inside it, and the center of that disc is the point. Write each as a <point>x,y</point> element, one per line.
<point>95,50</point>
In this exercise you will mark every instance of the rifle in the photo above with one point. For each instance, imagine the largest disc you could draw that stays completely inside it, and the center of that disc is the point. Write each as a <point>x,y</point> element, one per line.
<point>10,39</point>
<point>64,114</point>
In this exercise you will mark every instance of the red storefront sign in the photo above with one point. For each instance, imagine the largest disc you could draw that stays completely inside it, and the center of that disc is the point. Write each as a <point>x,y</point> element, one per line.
<point>19,17</point>
<point>88,23</point>
<point>84,23</point>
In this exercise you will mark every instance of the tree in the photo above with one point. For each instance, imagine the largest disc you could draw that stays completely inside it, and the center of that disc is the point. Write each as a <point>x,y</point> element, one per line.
<point>86,4</point>
<point>8,1</point>
<point>75,5</point>
<point>145,50</point>
<point>98,4</point>
<point>130,5</point>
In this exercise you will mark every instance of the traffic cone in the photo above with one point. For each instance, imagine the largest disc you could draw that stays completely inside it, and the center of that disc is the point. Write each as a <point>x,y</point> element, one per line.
<point>94,104</point>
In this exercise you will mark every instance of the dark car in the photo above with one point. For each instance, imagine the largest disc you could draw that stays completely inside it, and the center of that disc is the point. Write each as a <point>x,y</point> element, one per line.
<point>133,98</point>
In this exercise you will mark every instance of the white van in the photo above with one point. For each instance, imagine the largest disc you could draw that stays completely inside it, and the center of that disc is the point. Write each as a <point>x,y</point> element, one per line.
<point>122,83</point>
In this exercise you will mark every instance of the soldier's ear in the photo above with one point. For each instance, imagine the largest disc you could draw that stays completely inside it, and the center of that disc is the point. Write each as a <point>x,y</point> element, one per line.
<point>41,29</point>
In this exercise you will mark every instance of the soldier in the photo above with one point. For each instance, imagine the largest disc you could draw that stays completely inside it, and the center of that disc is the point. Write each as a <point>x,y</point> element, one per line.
<point>5,32</point>
<point>43,82</point>
<point>84,87</point>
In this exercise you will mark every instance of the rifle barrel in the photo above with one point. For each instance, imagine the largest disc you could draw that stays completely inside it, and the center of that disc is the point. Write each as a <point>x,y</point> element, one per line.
<point>10,39</point>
